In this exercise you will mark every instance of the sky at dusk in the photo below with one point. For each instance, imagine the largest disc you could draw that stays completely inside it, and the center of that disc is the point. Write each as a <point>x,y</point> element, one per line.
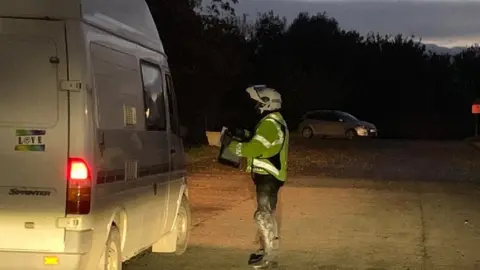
<point>445,23</point>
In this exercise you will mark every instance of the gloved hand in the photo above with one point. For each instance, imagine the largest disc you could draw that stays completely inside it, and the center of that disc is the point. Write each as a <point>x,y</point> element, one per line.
<point>240,134</point>
<point>236,133</point>
<point>247,135</point>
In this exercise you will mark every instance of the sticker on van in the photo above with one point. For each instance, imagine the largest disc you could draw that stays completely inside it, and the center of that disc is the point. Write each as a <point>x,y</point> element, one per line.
<point>28,192</point>
<point>30,140</point>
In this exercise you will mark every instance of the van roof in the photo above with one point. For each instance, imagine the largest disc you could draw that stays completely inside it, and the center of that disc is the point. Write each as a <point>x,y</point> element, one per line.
<point>130,19</point>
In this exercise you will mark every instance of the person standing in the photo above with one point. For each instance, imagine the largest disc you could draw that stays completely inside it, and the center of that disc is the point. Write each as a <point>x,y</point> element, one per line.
<point>267,155</point>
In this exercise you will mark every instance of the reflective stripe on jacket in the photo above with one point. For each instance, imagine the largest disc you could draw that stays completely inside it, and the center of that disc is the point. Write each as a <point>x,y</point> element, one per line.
<point>267,151</point>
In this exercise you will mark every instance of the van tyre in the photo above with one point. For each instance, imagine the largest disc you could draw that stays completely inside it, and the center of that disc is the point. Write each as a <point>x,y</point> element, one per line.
<point>351,134</point>
<point>183,226</point>
<point>307,132</point>
<point>113,252</point>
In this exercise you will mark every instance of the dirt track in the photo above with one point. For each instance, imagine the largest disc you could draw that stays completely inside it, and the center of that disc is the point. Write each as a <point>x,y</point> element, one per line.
<point>385,160</point>
<point>350,216</point>
<point>334,226</point>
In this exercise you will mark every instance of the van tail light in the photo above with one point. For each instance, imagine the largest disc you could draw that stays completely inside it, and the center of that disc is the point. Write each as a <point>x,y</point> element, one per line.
<point>79,189</point>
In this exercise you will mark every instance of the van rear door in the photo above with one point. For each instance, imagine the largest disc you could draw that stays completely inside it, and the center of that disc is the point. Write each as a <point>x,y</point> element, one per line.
<point>33,134</point>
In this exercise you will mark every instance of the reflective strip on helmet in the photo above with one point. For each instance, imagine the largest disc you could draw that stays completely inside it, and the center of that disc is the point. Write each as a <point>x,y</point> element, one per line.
<point>265,165</point>
<point>262,139</point>
<point>238,149</point>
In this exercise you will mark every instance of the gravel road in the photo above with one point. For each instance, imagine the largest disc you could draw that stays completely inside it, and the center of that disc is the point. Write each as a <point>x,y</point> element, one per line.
<point>377,204</point>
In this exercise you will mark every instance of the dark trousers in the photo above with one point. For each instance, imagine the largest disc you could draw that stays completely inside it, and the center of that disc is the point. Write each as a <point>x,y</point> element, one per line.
<point>267,188</point>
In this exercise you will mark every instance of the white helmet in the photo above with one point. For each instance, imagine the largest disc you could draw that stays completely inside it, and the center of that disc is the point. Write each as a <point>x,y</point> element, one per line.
<point>268,99</point>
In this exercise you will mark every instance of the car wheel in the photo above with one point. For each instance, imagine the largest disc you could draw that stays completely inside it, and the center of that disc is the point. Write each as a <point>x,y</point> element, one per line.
<point>183,226</point>
<point>112,256</point>
<point>351,134</point>
<point>307,133</point>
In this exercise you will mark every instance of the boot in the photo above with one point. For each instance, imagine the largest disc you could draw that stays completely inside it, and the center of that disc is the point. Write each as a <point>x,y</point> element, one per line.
<point>256,258</point>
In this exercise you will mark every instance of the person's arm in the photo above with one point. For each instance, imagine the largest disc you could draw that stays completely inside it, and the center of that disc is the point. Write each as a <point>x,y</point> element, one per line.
<point>267,141</point>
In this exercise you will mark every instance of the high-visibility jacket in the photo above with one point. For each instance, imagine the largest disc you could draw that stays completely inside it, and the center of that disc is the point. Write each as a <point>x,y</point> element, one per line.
<point>267,151</point>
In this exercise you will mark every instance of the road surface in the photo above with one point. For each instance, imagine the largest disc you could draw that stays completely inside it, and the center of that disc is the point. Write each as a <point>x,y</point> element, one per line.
<point>342,224</point>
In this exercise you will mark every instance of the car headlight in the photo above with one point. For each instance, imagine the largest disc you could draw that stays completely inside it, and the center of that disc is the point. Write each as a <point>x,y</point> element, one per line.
<point>361,130</point>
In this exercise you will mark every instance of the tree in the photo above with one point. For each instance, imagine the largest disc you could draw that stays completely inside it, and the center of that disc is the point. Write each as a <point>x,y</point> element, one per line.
<point>197,56</point>
<point>390,80</point>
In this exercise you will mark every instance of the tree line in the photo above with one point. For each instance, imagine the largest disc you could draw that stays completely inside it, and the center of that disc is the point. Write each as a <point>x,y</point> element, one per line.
<point>391,81</point>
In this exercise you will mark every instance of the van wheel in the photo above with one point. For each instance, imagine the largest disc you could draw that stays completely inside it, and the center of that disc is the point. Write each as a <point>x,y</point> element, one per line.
<point>183,226</point>
<point>112,258</point>
<point>307,133</point>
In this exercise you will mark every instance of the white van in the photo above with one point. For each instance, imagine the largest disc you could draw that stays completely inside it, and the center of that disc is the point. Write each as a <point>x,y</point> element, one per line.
<point>91,159</point>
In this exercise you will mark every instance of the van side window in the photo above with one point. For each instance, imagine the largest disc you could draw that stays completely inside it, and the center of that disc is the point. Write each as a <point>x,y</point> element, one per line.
<point>173,111</point>
<point>153,95</point>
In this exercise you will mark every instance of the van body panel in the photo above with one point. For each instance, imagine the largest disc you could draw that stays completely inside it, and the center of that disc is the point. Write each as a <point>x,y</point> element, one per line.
<point>138,175</point>
<point>52,9</point>
<point>128,19</point>
<point>136,24</point>
<point>177,158</point>
<point>34,261</point>
<point>131,164</point>
<point>34,134</point>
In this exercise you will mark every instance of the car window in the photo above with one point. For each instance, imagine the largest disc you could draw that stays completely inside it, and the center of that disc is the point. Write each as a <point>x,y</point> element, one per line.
<point>347,117</point>
<point>331,117</point>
